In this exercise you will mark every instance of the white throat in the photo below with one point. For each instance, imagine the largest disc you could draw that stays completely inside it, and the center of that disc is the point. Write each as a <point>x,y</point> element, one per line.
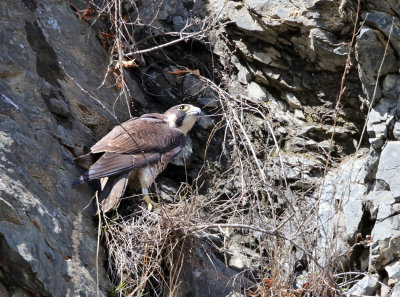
<point>188,123</point>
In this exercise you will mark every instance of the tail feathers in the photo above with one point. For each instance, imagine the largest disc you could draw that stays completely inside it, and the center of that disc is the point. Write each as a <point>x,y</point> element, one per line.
<point>82,179</point>
<point>84,161</point>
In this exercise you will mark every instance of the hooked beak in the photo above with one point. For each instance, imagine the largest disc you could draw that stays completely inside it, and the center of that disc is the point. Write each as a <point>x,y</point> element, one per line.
<point>194,111</point>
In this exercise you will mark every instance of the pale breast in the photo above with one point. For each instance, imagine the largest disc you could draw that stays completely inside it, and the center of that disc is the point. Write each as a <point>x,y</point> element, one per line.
<point>147,175</point>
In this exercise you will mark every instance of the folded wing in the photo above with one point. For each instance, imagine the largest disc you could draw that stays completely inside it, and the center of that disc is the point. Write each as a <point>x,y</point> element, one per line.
<point>134,144</point>
<point>148,134</point>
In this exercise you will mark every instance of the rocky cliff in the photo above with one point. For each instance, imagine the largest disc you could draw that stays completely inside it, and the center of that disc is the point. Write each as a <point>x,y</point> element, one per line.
<point>301,132</point>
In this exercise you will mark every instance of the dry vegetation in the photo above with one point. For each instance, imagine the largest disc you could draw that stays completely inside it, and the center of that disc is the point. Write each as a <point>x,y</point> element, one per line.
<point>146,250</point>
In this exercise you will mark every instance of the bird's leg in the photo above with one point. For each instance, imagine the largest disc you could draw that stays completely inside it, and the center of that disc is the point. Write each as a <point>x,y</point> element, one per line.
<point>146,198</point>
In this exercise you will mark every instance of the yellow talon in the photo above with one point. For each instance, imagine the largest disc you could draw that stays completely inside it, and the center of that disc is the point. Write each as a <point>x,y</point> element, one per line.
<point>150,203</point>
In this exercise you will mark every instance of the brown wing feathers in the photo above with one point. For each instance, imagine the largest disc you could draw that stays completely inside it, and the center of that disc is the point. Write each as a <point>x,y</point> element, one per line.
<point>112,164</point>
<point>140,134</point>
<point>140,142</point>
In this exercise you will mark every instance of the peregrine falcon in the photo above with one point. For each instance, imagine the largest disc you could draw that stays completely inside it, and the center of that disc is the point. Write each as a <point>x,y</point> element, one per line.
<point>135,152</point>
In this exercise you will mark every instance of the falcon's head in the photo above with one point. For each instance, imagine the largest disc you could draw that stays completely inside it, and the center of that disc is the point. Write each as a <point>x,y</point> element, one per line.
<point>182,116</point>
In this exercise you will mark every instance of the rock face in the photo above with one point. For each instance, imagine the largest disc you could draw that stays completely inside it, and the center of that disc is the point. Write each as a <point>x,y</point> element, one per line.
<point>287,56</point>
<point>47,240</point>
<point>297,50</point>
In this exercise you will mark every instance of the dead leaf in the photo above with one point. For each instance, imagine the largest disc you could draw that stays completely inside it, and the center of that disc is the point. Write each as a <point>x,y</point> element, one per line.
<point>108,35</point>
<point>86,14</point>
<point>118,79</point>
<point>89,13</point>
<point>128,64</point>
<point>178,72</point>
<point>184,71</point>
<point>306,285</point>
<point>267,283</point>
<point>119,84</point>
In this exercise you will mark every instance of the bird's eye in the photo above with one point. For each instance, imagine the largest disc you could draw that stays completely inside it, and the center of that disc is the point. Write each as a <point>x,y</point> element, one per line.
<point>182,107</point>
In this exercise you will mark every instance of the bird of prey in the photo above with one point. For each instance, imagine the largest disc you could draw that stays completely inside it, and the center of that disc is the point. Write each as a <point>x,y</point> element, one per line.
<point>135,152</point>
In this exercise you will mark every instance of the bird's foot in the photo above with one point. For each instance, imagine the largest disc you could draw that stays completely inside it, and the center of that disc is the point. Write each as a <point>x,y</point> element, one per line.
<point>150,203</point>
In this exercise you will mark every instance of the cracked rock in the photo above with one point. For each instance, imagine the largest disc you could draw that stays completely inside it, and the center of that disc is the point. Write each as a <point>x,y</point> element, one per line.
<point>369,53</point>
<point>244,75</point>
<point>330,54</point>
<point>344,186</point>
<point>59,107</point>
<point>257,92</point>
<point>293,102</point>
<point>391,86</point>
<point>383,22</point>
<point>396,130</point>
<point>393,270</point>
<point>389,167</point>
<point>396,290</point>
<point>205,122</point>
<point>187,153</point>
<point>366,286</point>
<point>379,118</point>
